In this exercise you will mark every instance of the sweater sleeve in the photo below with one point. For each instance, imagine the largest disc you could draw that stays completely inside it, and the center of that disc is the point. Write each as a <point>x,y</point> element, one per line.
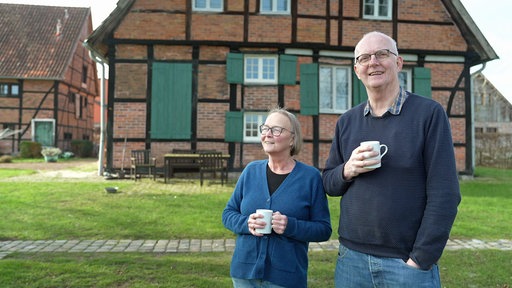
<point>232,217</point>
<point>442,189</point>
<point>332,175</point>
<point>318,227</point>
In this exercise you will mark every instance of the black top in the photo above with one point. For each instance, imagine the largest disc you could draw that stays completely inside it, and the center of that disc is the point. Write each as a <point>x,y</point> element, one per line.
<point>274,180</point>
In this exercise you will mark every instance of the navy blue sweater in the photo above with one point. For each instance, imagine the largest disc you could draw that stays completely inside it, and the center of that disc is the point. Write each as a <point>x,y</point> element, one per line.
<point>407,207</point>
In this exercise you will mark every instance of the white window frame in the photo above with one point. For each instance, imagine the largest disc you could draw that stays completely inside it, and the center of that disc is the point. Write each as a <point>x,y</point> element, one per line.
<point>252,122</point>
<point>275,7</point>
<point>408,78</point>
<point>208,7</point>
<point>260,71</point>
<point>333,96</point>
<point>376,4</point>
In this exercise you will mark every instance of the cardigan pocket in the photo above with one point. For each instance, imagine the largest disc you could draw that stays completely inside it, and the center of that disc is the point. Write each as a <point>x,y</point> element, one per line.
<point>283,255</point>
<point>246,249</point>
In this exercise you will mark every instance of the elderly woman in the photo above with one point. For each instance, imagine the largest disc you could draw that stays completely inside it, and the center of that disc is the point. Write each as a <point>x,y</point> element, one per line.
<point>294,191</point>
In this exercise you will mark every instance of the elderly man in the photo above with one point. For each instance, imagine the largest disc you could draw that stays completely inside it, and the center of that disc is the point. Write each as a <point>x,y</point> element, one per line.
<point>395,220</point>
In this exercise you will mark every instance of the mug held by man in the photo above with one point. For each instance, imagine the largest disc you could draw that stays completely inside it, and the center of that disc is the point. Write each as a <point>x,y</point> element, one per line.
<point>376,147</point>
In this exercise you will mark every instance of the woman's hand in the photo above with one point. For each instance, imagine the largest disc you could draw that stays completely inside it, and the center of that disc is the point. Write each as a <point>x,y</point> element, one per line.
<point>254,223</point>
<point>279,222</point>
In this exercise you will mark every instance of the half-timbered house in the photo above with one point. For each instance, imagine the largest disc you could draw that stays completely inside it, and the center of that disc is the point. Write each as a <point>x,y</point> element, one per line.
<point>202,74</point>
<point>48,81</point>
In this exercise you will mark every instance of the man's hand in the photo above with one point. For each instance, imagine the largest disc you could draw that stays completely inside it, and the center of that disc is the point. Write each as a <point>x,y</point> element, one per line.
<point>357,162</point>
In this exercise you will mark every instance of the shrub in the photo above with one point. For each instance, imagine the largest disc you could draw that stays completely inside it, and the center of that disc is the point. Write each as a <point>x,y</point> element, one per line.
<point>82,148</point>
<point>30,149</point>
<point>5,159</point>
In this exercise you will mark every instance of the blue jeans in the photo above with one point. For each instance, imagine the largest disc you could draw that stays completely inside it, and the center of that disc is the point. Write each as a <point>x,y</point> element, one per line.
<point>359,270</point>
<point>253,283</point>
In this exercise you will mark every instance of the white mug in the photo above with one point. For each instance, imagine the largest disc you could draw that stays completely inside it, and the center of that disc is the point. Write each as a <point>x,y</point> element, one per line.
<point>376,147</point>
<point>267,217</point>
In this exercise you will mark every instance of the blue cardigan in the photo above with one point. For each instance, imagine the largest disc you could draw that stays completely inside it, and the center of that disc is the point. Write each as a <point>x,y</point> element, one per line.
<point>407,207</point>
<point>280,259</point>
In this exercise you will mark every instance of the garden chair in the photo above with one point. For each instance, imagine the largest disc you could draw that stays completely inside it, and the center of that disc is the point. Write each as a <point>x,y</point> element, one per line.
<point>142,164</point>
<point>211,163</point>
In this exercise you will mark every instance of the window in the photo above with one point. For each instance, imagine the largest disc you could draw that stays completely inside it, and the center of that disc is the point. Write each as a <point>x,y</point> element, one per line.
<point>208,5</point>
<point>257,69</point>
<point>9,90</point>
<point>275,6</point>
<point>78,106</point>
<point>405,77</point>
<point>8,128</point>
<point>334,89</point>
<point>84,74</point>
<point>260,69</point>
<point>377,9</point>
<point>252,122</point>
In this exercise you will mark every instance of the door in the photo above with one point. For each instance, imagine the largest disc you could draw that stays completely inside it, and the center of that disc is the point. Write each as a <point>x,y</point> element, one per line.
<point>43,131</point>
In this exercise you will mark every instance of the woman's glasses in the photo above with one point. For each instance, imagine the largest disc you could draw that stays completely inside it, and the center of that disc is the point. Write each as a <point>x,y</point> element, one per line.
<point>276,130</point>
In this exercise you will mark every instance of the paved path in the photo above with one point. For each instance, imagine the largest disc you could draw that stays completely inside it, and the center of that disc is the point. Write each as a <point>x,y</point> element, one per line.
<point>193,245</point>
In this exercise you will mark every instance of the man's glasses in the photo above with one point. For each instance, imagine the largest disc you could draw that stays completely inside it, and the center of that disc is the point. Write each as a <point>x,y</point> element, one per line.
<point>276,130</point>
<point>380,55</point>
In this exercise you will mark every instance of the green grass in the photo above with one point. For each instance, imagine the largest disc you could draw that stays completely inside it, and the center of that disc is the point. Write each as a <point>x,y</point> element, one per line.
<point>484,212</point>
<point>465,268</point>
<point>81,209</point>
<point>5,174</point>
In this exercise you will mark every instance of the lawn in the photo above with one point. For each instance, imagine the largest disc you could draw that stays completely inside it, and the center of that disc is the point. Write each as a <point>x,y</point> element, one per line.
<point>57,208</point>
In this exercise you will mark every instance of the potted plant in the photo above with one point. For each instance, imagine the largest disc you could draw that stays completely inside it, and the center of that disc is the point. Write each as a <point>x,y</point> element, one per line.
<point>51,154</point>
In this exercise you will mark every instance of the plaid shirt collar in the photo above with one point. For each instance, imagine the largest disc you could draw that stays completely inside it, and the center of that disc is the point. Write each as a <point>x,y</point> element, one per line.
<point>395,108</point>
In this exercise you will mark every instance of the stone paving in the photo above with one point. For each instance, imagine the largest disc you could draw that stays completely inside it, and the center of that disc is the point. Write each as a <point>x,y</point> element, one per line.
<point>192,245</point>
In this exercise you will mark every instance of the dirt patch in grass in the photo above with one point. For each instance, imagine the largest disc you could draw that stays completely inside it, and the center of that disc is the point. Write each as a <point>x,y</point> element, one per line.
<point>61,170</point>
<point>59,165</point>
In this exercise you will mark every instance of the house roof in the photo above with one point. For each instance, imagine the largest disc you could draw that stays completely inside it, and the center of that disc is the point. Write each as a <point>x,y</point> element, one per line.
<point>477,42</point>
<point>470,31</point>
<point>97,41</point>
<point>482,83</point>
<point>31,45</point>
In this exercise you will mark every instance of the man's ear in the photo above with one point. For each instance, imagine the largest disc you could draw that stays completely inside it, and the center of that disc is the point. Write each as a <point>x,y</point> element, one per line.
<point>357,74</point>
<point>399,63</point>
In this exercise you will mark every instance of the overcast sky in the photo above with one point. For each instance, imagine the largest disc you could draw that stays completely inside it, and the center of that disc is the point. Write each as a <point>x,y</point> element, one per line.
<point>490,16</point>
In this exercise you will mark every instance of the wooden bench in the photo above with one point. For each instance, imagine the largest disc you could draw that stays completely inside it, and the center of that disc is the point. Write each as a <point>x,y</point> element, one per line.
<point>183,160</point>
<point>180,160</point>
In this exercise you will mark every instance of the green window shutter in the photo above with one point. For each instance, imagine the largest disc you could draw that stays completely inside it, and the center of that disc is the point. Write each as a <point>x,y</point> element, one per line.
<point>421,82</point>
<point>235,68</point>
<point>234,126</point>
<point>309,104</point>
<point>359,94</point>
<point>287,69</point>
<point>171,101</point>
